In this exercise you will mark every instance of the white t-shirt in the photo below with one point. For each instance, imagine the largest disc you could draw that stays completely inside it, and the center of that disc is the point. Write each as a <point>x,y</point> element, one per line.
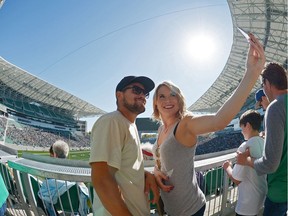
<point>115,140</point>
<point>253,188</point>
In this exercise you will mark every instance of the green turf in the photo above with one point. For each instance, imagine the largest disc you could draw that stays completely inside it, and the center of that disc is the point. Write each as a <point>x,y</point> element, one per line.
<point>73,155</point>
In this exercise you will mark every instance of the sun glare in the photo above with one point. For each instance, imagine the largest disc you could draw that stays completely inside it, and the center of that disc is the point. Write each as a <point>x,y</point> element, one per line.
<point>200,47</point>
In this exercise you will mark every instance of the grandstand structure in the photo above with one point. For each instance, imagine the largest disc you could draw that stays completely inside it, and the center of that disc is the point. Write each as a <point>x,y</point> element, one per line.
<point>32,101</point>
<point>268,21</point>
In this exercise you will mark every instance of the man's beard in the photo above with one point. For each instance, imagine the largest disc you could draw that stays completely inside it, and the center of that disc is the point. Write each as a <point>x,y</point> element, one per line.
<point>134,108</point>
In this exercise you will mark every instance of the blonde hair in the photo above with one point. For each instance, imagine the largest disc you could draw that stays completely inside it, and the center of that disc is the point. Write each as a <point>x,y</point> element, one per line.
<point>181,99</point>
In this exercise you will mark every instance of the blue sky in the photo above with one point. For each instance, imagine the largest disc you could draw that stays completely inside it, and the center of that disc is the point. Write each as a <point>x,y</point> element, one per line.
<point>86,47</point>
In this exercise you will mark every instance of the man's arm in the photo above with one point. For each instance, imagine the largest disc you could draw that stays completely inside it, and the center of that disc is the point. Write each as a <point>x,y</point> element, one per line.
<point>105,185</point>
<point>274,139</point>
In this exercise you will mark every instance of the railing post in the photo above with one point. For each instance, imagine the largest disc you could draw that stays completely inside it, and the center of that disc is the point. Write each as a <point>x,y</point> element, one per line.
<point>225,193</point>
<point>20,194</point>
<point>30,196</point>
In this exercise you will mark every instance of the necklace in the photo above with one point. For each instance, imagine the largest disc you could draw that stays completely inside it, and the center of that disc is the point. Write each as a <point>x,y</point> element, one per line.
<point>167,129</point>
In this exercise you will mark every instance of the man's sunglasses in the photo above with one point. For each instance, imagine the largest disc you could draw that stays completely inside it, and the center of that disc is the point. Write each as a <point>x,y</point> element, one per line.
<point>137,90</point>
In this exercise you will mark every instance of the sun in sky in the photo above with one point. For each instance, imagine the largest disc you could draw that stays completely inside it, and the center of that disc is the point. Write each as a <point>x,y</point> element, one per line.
<point>200,47</point>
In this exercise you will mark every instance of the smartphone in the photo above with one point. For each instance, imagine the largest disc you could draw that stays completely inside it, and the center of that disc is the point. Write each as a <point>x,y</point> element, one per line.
<point>244,33</point>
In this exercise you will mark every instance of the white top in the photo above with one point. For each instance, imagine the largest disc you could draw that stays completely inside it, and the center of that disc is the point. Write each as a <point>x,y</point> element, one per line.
<point>253,188</point>
<point>115,140</point>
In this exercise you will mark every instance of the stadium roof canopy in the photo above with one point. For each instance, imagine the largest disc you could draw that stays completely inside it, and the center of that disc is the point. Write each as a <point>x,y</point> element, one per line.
<point>265,19</point>
<point>19,85</point>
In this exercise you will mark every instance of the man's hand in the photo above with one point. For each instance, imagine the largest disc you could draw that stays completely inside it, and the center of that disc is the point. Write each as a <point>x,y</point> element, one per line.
<point>244,158</point>
<point>150,184</point>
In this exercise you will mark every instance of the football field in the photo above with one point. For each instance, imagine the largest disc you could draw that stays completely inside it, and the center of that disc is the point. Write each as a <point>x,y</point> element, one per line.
<point>73,155</point>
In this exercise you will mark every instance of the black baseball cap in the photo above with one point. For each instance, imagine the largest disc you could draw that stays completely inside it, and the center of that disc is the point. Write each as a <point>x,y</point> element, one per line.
<point>145,81</point>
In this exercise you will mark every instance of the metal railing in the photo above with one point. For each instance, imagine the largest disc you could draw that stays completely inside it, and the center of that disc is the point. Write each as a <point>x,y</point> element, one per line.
<point>30,171</point>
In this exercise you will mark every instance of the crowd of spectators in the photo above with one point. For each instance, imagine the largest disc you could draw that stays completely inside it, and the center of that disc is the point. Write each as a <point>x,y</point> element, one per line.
<point>25,135</point>
<point>220,142</point>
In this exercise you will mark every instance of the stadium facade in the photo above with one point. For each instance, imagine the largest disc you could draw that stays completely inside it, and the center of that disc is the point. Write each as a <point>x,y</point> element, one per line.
<point>32,101</point>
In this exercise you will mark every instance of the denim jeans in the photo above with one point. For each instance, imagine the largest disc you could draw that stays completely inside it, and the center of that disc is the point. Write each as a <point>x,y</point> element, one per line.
<point>200,212</point>
<point>50,208</point>
<point>274,209</point>
<point>3,209</point>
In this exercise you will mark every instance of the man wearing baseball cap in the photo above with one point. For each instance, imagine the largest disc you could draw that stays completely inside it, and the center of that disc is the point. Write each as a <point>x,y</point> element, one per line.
<point>261,100</point>
<point>118,175</point>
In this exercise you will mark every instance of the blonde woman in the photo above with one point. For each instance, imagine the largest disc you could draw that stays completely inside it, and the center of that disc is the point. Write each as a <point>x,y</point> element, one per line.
<point>174,149</point>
